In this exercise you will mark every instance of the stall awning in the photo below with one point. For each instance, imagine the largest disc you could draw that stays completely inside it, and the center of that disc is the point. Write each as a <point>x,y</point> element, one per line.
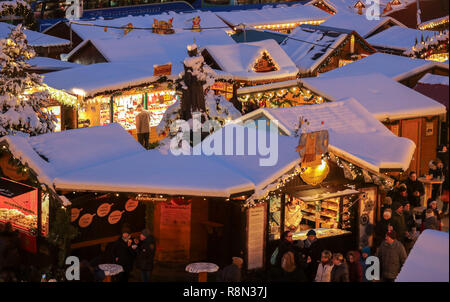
<point>323,193</point>
<point>11,189</point>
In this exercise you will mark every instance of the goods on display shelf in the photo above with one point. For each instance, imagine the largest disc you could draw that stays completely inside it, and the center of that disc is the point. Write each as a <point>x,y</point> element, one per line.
<point>125,110</point>
<point>321,233</point>
<point>18,219</point>
<point>157,104</point>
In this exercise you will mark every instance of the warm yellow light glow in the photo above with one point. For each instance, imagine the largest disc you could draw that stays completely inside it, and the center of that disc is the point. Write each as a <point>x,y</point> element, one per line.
<point>79,92</point>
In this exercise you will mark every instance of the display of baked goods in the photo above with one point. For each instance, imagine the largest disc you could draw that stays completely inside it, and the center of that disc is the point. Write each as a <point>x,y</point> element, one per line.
<point>321,233</point>
<point>17,218</point>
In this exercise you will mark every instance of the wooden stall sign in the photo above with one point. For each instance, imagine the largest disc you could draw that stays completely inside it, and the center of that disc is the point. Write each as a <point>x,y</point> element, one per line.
<point>115,216</point>
<point>162,70</point>
<point>131,205</point>
<point>74,214</point>
<point>86,220</point>
<point>104,209</point>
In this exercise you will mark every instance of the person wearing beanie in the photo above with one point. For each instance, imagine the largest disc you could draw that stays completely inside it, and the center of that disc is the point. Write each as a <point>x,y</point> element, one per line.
<point>145,255</point>
<point>382,227</point>
<point>365,253</point>
<point>392,255</point>
<point>312,249</point>
<point>398,222</point>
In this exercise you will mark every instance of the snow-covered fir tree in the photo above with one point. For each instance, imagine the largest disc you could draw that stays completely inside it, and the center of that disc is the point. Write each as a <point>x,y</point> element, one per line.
<point>197,99</point>
<point>21,93</point>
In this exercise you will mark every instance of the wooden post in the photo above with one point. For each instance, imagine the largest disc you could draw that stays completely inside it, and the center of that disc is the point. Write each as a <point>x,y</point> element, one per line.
<point>111,109</point>
<point>203,277</point>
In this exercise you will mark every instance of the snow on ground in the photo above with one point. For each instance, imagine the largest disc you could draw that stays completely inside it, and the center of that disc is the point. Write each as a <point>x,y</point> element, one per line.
<point>34,38</point>
<point>353,131</point>
<point>380,95</point>
<point>395,67</point>
<point>428,260</point>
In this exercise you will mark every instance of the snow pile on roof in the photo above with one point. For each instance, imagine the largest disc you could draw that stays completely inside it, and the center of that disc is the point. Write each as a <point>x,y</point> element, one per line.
<point>428,260</point>
<point>380,95</point>
<point>44,63</point>
<point>160,48</point>
<point>91,79</point>
<point>182,22</point>
<point>34,38</point>
<point>239,59</point>
<point>274,15</point>
<point>318,45</point>
<point>401,38</point>
<point>396,67</point>
<point>353,132</point>
<point>53,154</point>
<point>359,23</point>
<point>433,79</point>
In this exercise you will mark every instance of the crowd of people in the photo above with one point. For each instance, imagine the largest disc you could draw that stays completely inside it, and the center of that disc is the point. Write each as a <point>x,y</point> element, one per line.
<point>403,219</point>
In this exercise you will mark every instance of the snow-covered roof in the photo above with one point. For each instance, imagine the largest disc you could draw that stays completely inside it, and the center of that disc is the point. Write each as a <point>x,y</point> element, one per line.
<point>434,79</point>
<point>163,48</point>
<point>358,23</point>
<point>319,43</point>
<point>383,97</point>
<point>34,38</point>
<point>428,260</point>
<point>54,154</point>
<point>44,63</point>
<point>90,80</point>
<point>239,59</point>
<point>274,15</point>
<point>353,132</point>
<point>400,38</point>
<point>182,22</point>
<point>393,66</point>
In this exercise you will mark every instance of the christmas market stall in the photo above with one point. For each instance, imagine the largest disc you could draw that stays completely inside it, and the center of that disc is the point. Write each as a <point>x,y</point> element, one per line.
<point>281,19</point>
<point>399,68</point>
<point>404,111</point>
<point>334,189</point>
<point>422,44</point>
<point>316,49</point>
<point>100,101</point>
<point>247,64</point>
<point>28,168</point>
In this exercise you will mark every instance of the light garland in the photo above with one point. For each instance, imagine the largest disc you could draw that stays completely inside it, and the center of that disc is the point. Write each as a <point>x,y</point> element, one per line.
<point>430,25</point>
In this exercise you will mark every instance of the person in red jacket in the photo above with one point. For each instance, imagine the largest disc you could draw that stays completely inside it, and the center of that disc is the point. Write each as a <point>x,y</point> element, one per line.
<point>354,266</point>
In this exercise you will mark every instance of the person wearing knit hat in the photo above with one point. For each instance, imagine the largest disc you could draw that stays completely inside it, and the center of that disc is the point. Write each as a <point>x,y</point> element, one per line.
<point>398,222</point>
<point>313,251</point>
<point>365,253</point>
<point>392,255</point>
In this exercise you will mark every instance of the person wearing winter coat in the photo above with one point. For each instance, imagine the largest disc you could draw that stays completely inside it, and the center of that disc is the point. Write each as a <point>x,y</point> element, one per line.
<point>143,126</point>
<point>382,227</point>
<point>415,189</point>
<point>339,273</point>
<point>398,222</point>
<point>436,168</point>
<point>392,255</point>
<point>430,222</point>
<point>145,254</point>
<point>123,254</point>
<point>324,268</point>
<point>365,253</point>
<point>432,204</point>
<point>312,250</point>
<point>354,266</point>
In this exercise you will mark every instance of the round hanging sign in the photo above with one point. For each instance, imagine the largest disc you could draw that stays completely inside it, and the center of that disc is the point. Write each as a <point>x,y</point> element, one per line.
<point>115,217</point>
<point>131,205</point>
<point>315,175</point>
<point>85,220</point>
<point>74,213</point>
<point>104,209</point>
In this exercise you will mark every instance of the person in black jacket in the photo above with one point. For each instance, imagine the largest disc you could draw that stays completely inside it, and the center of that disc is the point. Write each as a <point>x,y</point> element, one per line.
<point>382,227</point>
<point>145,254</point>
<point>415,189</point>
<point>339,273</point>
<point>123,253</point>
<point>312,249</point>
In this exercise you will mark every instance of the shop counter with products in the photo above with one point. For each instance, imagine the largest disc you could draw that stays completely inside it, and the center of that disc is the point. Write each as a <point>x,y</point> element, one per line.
<point>320,233</point>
